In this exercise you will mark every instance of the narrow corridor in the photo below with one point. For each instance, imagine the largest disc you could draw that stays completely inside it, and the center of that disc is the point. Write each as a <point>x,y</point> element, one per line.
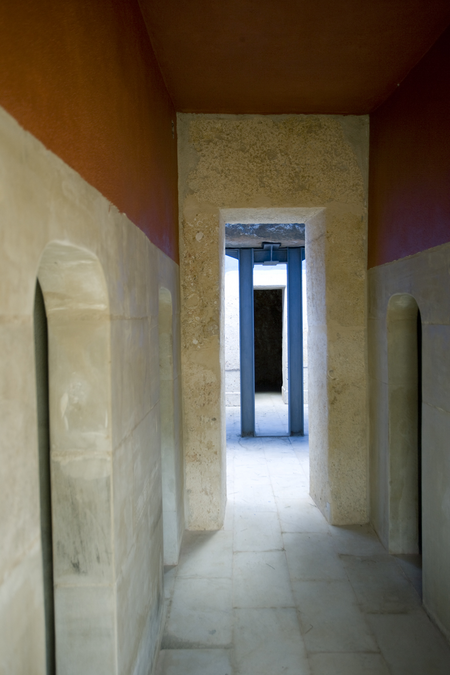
<point>280,592</point>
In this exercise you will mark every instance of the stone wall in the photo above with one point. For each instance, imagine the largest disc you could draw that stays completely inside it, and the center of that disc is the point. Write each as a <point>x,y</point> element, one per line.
<point>231,334</point>
<point>249,162</point>
<point>421,279</point>
<point>100,278</point>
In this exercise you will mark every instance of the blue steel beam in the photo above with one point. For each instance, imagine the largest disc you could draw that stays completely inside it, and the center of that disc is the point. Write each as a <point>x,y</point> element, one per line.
<point>295,341</point>
<point>247,342</point>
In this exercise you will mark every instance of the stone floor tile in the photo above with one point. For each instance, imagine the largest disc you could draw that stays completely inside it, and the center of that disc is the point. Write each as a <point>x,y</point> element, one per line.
<point>290,484</point>
<point>249,444</point>
<point>330,619</point>
<point>271,415</point>
<point>246,475</point>
<point>200,615</point>
<point>302,516</point>
<point>279,450</point>
<point>277,446</point>
<point>300,443</point>
<point>356,540</point>
<point>170,574</point>
<point>411,644</point>
<point>291,503</point>
<point>280,457</point>
<point>228,522</point>
<point>261,579</point>
<point>261,500</point>
<point>194,662</point>
<point>251,469</point>
<point>257,531</point>
<point>380,584</point>
<point>290,487</point>
<point>255,473</point>
<point>254,489</point>
<point>302,460</point>
<point>268,485</point>
<point>285,470</point>
<point>245,507</point>
<point>250,482</point>
<point>412,567</point>
<point>268,642</point>
<point>250,462</point>
<point>312,557</point>
<point>284,465</point>
<point>348,664</point>
<point>206,554</point>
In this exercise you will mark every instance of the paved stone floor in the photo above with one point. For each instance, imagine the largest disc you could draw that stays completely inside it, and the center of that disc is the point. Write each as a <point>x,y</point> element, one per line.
<point>280,592</point>
<point>271,415</point>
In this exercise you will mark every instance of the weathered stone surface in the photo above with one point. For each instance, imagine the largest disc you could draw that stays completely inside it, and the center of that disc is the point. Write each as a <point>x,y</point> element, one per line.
<point>100,278</point>
<point>256,169</point>
<point>417,281</point>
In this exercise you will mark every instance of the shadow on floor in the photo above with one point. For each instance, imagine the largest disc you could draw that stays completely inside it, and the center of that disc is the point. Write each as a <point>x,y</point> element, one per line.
<point>278,591</point>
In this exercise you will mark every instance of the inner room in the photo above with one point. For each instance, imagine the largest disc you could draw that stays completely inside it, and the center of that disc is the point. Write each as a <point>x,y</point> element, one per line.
<point>271,345</point>
<point>265,322</point>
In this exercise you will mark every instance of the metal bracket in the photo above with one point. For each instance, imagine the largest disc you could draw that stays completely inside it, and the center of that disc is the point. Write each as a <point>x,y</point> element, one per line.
<point>270,247</point>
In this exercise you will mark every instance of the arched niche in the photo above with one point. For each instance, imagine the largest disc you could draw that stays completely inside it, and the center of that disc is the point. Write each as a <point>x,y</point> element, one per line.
<point>404,398</point>
<point>77,309</point>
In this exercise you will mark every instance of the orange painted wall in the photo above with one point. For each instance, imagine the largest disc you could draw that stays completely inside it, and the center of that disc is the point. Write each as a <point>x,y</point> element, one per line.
<point>81,76</point>
<point>409,176</point>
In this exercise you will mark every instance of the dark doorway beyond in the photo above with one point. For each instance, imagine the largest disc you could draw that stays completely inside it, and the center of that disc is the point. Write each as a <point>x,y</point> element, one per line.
<point>268,311</point>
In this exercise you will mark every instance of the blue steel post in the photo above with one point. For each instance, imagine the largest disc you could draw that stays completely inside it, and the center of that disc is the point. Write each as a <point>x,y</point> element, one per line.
<point>247,342</point>
<point>295,341</point>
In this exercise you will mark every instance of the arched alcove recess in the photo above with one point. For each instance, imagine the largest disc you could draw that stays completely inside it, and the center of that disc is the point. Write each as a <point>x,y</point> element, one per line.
<point>43,418</point>
<point>77,308</point>
<point>404,423</point>
<point>171,474</point>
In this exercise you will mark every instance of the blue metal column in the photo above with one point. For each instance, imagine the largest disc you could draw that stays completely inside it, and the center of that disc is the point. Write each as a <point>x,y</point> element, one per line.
<point>295,340</point>
<point>247,342</point>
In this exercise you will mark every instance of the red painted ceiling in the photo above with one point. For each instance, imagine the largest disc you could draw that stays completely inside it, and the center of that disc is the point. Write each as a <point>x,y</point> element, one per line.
<point>289,56</point>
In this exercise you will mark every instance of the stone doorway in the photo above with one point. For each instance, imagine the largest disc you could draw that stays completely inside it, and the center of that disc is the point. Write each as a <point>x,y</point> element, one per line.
<point>255,269</point>
<point>277,169</point>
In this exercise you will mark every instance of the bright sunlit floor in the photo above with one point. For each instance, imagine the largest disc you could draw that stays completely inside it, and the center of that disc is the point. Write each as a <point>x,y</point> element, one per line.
<point>280,592</point>
<point>271,415</point>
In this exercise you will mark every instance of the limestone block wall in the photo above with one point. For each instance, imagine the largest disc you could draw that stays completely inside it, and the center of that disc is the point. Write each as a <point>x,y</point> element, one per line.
<point>100,278</point>
<point>421,279</point>
<point>319,164</point>
<point>171,408</point>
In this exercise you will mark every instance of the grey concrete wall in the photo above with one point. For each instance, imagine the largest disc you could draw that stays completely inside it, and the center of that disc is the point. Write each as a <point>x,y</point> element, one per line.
<point>100,278</point>
<point>424,277</point>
